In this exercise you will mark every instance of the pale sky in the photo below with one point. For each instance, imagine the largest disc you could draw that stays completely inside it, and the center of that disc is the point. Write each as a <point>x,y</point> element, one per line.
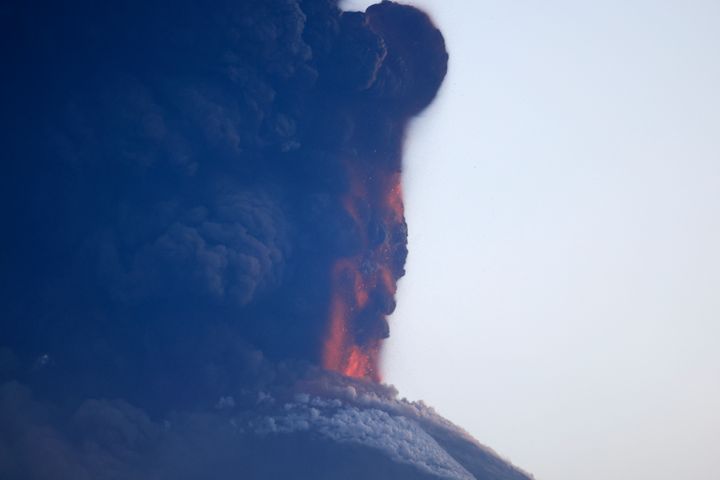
<point>562,297</point>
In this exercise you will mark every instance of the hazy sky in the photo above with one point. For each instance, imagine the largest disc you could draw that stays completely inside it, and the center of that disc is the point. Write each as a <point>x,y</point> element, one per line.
<point>562,300</point>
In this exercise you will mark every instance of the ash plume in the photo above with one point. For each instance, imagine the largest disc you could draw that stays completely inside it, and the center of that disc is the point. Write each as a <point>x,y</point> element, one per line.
<point>202,207</point>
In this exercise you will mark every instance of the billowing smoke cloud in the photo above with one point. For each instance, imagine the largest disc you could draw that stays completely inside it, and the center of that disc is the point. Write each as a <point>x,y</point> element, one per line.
<point>201,204</point>
<point>193,167</point>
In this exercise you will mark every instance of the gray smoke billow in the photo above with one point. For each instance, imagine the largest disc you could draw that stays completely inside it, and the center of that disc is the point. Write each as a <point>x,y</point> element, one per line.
<point>173,203</point>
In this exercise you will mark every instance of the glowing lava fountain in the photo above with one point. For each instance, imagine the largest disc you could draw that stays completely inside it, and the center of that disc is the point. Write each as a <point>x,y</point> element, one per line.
<point>364,284</point>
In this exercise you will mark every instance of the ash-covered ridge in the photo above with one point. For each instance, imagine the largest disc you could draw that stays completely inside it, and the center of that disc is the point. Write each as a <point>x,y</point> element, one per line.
<point>320,425</point>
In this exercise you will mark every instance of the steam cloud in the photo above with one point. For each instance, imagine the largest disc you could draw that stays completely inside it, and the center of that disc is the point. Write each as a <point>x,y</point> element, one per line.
<point>201,203</point>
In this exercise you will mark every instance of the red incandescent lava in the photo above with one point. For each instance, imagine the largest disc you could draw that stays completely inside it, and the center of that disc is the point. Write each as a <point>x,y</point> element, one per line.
<point>364,284</point>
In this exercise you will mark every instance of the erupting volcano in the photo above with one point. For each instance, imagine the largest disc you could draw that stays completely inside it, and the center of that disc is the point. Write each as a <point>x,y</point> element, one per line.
<point>204,223</point>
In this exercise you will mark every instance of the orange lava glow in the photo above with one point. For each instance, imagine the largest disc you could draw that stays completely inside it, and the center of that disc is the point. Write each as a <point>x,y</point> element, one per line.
<point>353,340</point>
<point>394,198</point>
<point>358,363</point>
